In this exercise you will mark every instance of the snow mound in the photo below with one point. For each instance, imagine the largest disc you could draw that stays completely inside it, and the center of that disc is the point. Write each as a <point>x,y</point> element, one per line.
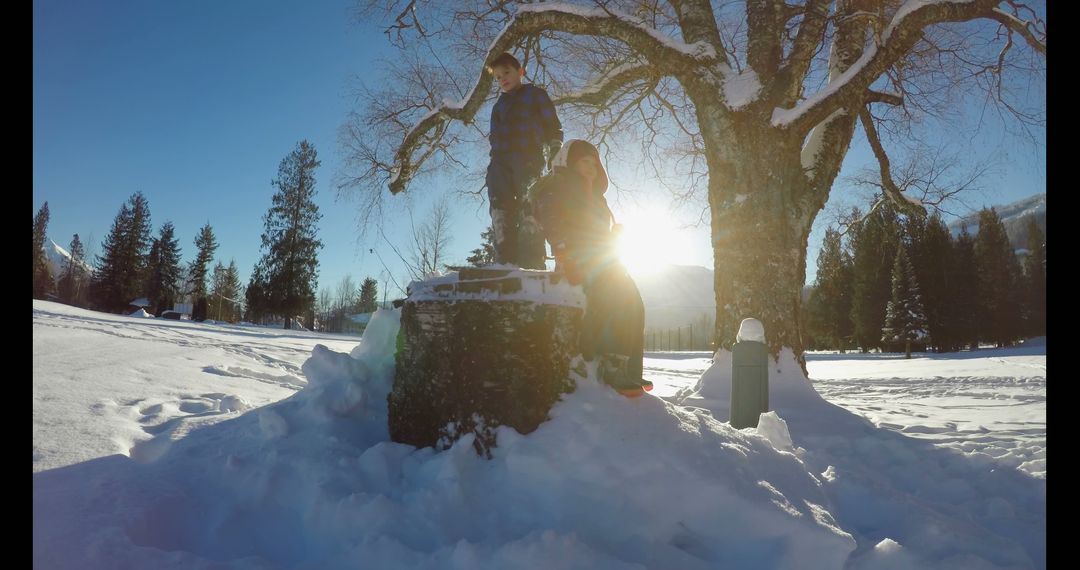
<point>142,314</point>
<point>313,481</point>
<point>751,330</point>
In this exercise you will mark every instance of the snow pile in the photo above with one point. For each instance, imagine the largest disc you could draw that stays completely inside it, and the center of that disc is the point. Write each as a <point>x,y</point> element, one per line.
<point>312,481</point>
<point>142,314</point>
<point>751,330</point>
<point>941,508</point>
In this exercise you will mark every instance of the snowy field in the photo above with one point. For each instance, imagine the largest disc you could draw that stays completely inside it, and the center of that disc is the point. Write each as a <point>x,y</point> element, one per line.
<point>172,444</point>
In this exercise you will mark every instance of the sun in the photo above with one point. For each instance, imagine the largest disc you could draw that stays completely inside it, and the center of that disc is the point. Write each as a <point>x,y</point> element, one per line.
<point>650,241</point>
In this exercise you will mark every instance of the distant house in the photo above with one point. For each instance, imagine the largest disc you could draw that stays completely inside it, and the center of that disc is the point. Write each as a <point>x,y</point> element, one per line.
<point>183,308</point>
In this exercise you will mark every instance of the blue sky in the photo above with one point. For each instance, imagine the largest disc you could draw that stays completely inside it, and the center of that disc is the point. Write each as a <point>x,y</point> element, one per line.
<point>195,103</point>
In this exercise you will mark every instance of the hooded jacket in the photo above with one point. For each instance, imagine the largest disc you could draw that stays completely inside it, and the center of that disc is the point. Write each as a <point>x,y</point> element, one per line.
<point>576,219</point>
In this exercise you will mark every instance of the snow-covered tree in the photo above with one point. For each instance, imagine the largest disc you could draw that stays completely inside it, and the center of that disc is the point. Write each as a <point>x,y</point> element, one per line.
<point>905,317</point>
<point>750,105</point>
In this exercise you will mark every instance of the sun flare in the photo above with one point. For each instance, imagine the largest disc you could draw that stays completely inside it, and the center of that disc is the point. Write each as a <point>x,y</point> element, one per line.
<point>649,241</point>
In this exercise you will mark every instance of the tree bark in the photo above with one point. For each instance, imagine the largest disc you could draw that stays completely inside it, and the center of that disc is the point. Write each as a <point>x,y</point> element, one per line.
<point>478,353</point>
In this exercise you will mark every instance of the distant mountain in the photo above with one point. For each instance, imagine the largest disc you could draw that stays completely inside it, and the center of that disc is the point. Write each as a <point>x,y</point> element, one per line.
<point>677,295</point>
<point>58,259</point>
<point>1014,216</point>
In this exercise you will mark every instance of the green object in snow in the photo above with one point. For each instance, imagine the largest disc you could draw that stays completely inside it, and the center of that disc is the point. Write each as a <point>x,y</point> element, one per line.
<point>749,383</point>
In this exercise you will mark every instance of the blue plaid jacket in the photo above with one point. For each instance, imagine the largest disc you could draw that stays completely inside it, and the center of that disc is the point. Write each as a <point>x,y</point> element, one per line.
<point>523,122</point>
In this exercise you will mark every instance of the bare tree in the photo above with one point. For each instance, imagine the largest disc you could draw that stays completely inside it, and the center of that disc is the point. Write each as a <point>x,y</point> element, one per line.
<point>753,104</point>
<point>324,307</point>
<point>430,242</point>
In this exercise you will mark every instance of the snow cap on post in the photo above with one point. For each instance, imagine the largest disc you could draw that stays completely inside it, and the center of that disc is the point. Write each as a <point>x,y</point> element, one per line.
<point>751,330</point>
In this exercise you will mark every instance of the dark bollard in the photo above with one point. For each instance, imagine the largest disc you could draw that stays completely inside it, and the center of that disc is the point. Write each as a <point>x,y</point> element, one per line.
<point>749,375</point>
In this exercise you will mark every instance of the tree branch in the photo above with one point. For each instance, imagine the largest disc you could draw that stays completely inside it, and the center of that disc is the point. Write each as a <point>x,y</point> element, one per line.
<point>658,49</point>
<point>891,190</point>
<point>811,30</point>
<point>1021,27</point>
<point>898,38</point>
<point>882,97</point>
<point>598,92</point>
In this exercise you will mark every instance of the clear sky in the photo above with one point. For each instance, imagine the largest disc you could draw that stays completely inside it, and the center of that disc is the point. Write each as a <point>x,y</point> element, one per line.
<point>195,103</point>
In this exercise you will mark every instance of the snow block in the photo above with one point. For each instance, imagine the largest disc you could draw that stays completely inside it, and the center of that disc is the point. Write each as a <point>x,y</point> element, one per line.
<point>479,349</point>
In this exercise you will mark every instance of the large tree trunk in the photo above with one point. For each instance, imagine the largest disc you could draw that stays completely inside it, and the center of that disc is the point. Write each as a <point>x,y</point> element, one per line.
<point>760,226</point>
<point>480,349</point>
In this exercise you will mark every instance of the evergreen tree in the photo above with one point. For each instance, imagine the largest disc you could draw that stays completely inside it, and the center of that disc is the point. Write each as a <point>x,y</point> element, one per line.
<point>206,244</point>
<point>224,292</point>
<point>905,318</point>
<point>485,254</point>
<point>963,294</point>
<point>123,260</point>
<point>999,316</point>
<point>73,278</point>
<point>232,292</point>
<point>874,242</point>
<point>1035,277</point>
<point>43,281</point>
<point>291,249</point>
<point>219,294</point>
<point>257,295</point>
<point>829,306</point>
<point>931,260</point>
<point>163,270</point>
<point>369,296</point>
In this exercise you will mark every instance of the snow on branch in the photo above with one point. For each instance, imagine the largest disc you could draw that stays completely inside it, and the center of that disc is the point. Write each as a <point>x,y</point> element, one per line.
<point>903,31</point>
<point>659,50</point>
<point>1025,29</point>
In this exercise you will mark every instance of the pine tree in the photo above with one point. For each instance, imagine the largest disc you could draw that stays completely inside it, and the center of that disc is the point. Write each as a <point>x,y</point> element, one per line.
<point>123,260</point>
<point>369,296</point>
<point>905,318</point>
<point>163,270</point>
<point>232,292</point>
<point>964,291</point>
<point>256,295</point>
<point>73,278</point>
<point>1035,277</point>
<point>874,242</point>
<point>931,260</point>
<point>829,306</point>
<point>206,244</point>
<point>43,281</point>
<point>291,249</point>
<point>999,316</point>
<point>485,254</point>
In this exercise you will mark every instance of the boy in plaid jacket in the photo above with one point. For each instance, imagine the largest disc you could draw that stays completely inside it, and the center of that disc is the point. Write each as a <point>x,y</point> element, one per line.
<point>525,135</point>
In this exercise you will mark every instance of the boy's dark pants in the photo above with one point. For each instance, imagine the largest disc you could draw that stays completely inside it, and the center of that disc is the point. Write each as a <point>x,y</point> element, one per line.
<point>518,240</point>
<point>614,320</point>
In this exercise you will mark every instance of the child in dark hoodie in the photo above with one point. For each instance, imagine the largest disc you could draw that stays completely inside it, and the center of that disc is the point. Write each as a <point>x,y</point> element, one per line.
<point>577,222</point>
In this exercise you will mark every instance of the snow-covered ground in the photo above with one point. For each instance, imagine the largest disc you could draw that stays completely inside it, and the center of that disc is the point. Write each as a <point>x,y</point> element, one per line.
<point>172,444</point>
